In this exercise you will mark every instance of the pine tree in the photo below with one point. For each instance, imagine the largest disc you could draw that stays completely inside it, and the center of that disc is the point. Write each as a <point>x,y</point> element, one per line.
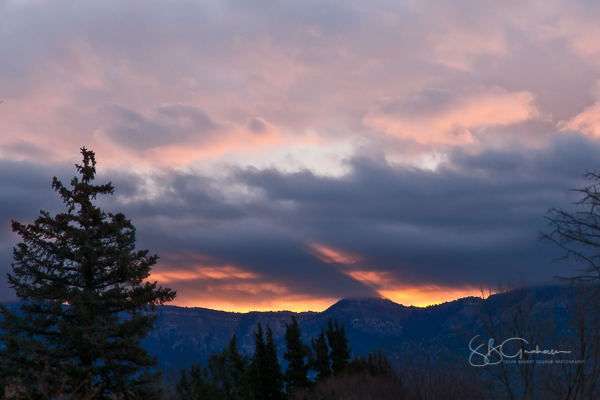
<point>239,369</point>
<point>84,299</point>
<point>229,372</point>
<point>195,384</point>
<point>258,362</point>
<point>340,353</point>
<point>273,370</point>
<point>226,378</point>
<point>298,355</point>
<point>321,363</point>
<point>267,377</point>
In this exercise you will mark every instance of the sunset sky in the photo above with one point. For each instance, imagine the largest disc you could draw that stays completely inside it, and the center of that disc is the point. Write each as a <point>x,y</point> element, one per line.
<point>287,154</point>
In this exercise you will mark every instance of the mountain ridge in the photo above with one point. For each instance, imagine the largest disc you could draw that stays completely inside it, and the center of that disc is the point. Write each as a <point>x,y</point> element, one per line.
<point>185,334</point>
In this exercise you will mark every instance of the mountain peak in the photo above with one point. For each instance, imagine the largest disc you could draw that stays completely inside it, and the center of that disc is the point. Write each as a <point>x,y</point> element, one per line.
<point>365,305</point>
<point>365,300</point>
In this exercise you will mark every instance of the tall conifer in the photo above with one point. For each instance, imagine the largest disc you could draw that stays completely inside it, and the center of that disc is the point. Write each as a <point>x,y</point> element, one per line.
<point>298,355</point>
<point>340,353</point>
<point>321,363</point>
<point>84,300</point>
<point>258,364</point>
<point>229,373</point>
<point>267,377</point>
<point>273,370</point>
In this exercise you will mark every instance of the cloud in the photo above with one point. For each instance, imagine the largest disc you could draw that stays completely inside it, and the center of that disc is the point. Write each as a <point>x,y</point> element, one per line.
<point>587,121</point>
<point>381,229</point>
<point>172,124</point>
<point>191,83</point>
<point>472,221</point>
<point>330,255</point>
<point>284,141</point>
<point>436,116</point>
<point>259,125</point>
<point>390,286</point>
<point>20,149</point>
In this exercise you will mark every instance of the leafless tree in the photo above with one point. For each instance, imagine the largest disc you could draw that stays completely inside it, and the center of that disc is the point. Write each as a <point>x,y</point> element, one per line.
<point>578,233</point>
<point>515,320</point>
<point>576,375</point>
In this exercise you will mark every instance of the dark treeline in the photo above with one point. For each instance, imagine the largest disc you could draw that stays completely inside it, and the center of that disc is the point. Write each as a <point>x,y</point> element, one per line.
<point>323,370</point>
<point>529,321</point>
<point>228,375</point>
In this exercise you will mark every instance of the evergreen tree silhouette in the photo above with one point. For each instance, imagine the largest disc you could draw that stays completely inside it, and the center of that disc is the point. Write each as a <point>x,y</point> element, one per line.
<point>225,378</point>
<point>298,355</point>
<point>229,372</point>
<point>195,384</point>
<point>321,363</point>
<point>85,302</point>
<point>340,353</point>
<point>267,377</point>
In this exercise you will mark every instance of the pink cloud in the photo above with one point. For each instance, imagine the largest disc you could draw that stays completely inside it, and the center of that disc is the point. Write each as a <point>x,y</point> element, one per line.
<point>448,117</point>
<point>587,121</point>
<point>300,73</point>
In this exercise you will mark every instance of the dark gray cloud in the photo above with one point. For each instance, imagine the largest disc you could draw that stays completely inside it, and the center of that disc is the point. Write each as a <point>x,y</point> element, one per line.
<point>473,221</point>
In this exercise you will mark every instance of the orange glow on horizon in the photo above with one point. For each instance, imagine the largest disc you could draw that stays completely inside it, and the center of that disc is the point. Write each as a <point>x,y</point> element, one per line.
<point>230,288</point>
<point>291,304</point>
<point>423,296</point>
<point>417,296</point>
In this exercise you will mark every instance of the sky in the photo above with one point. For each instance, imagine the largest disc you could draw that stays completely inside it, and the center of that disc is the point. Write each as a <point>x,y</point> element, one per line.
<point>287,154</point>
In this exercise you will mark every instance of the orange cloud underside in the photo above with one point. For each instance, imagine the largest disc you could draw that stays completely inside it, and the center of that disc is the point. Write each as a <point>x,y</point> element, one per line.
<point>386,283</point>
<point>330,255</point>
<point>202,272</point>
<point>419,296</point>
<point>201,283</point>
